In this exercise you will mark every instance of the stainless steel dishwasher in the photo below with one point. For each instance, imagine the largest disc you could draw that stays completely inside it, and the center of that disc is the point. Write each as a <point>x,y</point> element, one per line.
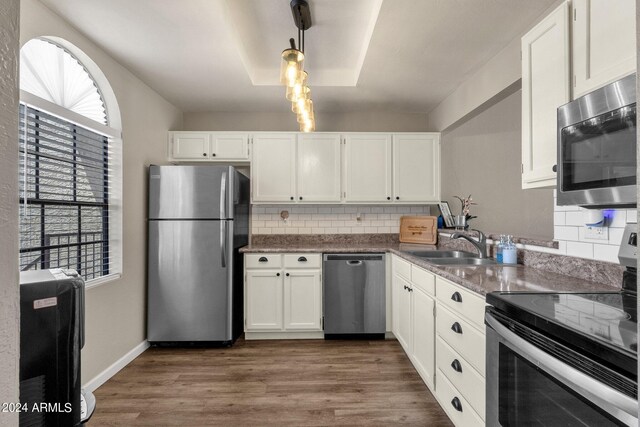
<point>354,296</point>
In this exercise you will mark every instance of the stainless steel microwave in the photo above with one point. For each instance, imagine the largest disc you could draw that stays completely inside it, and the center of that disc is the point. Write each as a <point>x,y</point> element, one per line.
<point>597,147</point>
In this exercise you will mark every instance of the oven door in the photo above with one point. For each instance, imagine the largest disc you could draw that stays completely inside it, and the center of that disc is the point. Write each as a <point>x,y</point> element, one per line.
<point>527,386</point>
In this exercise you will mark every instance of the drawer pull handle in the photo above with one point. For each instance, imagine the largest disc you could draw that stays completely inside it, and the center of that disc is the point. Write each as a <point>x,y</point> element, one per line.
<point>456,297</point>
<point>302,259</point>
<point>263,259</point>
<point>456,365</point>
<point>456,328</point>
<point>455,402</point>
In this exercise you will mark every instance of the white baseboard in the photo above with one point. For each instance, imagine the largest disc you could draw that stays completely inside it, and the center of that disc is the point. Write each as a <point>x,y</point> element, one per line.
<point>104,376</point>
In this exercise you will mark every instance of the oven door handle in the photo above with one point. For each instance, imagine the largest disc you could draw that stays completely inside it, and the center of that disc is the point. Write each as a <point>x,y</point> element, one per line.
<point>612,401</point>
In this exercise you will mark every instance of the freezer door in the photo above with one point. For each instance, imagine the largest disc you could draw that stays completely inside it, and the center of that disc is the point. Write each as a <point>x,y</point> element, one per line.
<point>189,192</point>
<point>189,281</point>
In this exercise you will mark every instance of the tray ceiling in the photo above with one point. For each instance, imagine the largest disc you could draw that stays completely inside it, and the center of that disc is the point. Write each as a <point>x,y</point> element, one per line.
<point>362,55</point>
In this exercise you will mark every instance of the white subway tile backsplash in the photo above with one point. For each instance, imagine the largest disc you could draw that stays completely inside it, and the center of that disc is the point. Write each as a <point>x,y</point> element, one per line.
<point>615,236</point>
<point>559,218</point>
<point>324,219</point>
<point>606,252</point>
<point>574,218</point>
<point>565,233</point>
<point>618,218</point>
<point>632,215</point>
<point>570,232</point>
<point>579,249</point>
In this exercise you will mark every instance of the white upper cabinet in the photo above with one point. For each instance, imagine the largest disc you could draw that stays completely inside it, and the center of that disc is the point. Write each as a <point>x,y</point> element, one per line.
<point>190,145</point>
<point>416,167</point>
<point>367,160</point>
<point>545,87</point>
<point>273,167</point>
<point>209,146</point>
<point>229,146</point>
<point>604,42</point>
<point>318,168</point>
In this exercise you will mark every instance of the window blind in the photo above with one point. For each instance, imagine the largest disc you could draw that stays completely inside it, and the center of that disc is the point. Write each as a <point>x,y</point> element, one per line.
<point>65,181</point>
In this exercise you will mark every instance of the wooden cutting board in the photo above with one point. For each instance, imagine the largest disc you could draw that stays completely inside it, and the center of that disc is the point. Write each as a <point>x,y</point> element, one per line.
<point>419,229</point>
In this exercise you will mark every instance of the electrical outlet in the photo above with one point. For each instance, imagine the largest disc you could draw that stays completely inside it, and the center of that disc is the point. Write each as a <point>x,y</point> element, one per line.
<point>596,233</point>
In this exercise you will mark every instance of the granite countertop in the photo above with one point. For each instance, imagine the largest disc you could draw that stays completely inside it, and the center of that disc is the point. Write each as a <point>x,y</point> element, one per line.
<point>480,279</point>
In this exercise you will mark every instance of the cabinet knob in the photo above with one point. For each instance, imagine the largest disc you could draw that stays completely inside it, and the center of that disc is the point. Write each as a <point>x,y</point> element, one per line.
<point>456,297</point>
<point>300,197</point>
<point>555,168</point>
<point>397,198</point>
<point>213,154</point>
<point>287,274</point>
<point>455,402</point>
<point>456,328</point>
<point>291,197</point>
<point>388,198</point>
<point>204,154</point>
<point>278,274</point>
<point>456,365</point>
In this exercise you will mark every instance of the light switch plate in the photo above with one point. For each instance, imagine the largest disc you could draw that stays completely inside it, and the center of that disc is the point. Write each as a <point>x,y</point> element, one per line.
<point>597,233</point>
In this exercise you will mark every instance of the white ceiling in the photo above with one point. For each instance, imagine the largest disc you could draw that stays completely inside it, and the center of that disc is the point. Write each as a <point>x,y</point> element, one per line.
<point>361,55</point>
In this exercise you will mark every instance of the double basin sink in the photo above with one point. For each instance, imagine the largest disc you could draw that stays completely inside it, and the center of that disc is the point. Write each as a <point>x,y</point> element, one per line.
<point>457,258</point>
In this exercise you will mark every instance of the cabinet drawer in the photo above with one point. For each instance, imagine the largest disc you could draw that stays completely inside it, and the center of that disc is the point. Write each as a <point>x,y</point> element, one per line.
<point>302,260</point>
<point>401,267</point>
<point>469,343</point>
<point>263,261</point>
<point>423,279</point>
<point>461,301</point>
<point>462,375</point>
<point>449,398</point>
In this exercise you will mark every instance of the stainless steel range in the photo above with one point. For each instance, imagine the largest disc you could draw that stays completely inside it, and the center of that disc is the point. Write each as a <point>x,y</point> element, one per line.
<point>565,358</point>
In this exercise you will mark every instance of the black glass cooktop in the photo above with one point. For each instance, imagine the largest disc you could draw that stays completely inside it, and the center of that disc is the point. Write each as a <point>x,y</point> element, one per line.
<point>603,324</point>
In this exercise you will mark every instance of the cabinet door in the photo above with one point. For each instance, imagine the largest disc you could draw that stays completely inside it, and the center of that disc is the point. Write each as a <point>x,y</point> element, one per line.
<point>604,42</point>
<point>191,145</point>
<point>302,300</point>
<point>403,306</point>
<point>424,332</point>
<point>416,168</point>
<point>273,168</point>
<point>368,168</point>
<point>545,87</point>
<point>229,146</point>
<point>318,168</point>
<point>264,300</point>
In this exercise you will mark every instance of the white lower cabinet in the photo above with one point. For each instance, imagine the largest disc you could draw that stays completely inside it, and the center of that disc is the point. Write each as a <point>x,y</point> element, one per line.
<point>283,296</point>
<point>423,335</point>
<point>440,325</point>
<point>413,320</point>
<point>263,300</point>
<point>302,300</point>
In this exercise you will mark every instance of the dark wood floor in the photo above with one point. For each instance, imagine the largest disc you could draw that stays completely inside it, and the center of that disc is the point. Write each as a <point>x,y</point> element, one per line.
<point>301,383</point>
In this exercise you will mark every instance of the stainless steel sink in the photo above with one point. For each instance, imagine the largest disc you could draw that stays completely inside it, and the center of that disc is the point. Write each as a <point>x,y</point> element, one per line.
<point>461,261</point>
<point>442,254</point>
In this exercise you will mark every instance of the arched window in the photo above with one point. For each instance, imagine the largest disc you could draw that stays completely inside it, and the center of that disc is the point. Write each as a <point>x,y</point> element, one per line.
<point>69,162</point>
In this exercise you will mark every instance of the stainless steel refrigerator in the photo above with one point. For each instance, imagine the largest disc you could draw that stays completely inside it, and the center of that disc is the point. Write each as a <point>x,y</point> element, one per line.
<point>198,220</point>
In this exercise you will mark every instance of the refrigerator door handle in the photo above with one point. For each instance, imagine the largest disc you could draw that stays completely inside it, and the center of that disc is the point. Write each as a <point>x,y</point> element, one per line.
<point>223,196</point>
<point>223,242</point>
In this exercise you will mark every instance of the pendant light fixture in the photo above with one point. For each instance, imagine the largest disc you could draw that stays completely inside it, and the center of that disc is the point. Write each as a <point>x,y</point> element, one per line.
<point>292,73</point>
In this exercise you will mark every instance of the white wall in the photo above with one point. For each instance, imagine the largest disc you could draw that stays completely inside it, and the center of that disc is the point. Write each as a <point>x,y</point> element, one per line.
<point>116,311</point>
<point>9,294</point>
<point>335,219</point>
<point>325,122</point>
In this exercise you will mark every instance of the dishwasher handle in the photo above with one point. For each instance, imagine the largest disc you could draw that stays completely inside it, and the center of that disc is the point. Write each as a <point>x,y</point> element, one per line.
<point>354,263</point>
